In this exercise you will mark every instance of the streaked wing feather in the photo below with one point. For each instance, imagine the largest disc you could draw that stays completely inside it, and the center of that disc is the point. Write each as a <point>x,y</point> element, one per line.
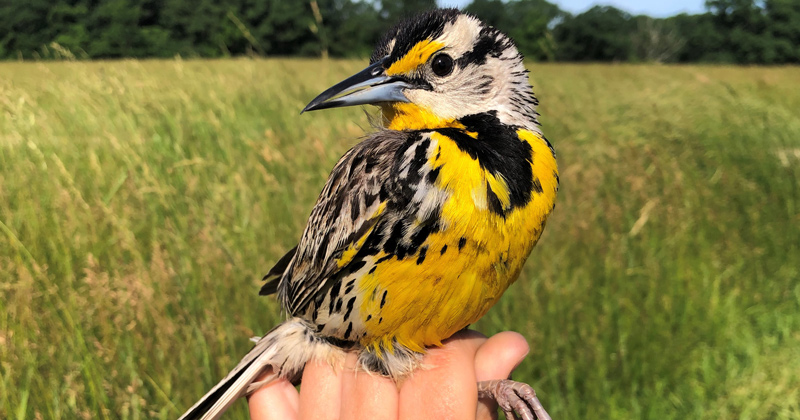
<point>275,274</point>
<point>348,207</point>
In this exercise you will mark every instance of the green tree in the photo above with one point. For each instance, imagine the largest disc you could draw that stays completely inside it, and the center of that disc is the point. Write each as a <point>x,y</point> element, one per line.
<point>355,27</point>
<point>201,27</point>
<point>656,40</point>
<point>68,22</point>
<point>391,11</point>
<point>783,17</point>
<point>744,24</point>
<point>602,33</point>
<point>702,41</point>
<point>24,27</point>
<point>532,29</point>
<point>114,29</point>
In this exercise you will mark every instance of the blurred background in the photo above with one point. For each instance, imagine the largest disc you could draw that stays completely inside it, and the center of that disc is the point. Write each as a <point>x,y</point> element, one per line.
<point>153,166</point>
<point>685,31</point>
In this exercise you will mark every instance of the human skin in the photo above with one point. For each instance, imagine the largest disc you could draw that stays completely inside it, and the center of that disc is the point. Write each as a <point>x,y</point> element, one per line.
<point>444,388</point>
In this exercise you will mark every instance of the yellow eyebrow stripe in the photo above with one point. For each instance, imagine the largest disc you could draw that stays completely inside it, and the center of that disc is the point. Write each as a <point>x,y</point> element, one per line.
<point>416,56</point>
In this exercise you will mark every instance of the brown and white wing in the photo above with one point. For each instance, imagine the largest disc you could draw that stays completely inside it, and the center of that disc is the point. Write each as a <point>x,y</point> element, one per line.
<point>350,205</point>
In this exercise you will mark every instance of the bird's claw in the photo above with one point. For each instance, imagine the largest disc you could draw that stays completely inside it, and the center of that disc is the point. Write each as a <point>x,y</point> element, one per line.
<point>513,397</point>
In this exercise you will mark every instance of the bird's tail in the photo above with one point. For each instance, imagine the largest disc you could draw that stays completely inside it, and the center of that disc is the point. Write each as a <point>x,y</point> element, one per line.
<point>285,349</point>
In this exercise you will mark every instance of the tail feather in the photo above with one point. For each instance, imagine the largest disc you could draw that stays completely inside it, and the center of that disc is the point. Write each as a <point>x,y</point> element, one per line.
<point>223,395</point>
<point>285,349</point>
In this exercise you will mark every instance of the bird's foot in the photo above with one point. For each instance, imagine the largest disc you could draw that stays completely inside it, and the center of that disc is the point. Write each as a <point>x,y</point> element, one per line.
<point>513,397</point>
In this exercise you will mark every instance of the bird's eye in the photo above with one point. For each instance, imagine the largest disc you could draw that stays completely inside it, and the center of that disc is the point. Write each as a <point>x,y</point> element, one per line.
<point>442,65</point>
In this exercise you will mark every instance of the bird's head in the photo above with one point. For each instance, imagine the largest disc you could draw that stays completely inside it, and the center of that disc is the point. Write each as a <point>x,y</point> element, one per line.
<point>435,68</point>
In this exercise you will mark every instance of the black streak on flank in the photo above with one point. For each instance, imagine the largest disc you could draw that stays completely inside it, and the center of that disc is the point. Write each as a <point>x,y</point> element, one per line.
<point>461,243</point>
<point>356,265</point>
<point>383,299</point>
<point>422,252</point>
<point>402,251</point>
<point>333,294</point>
<point>349,307</point>
<point>433,174</point>
<point>348,331</point>
<point>444,249</point>
<point>392,242</point>
<point>422,233</point>
<point>339,305</point>
<point>335,289</point>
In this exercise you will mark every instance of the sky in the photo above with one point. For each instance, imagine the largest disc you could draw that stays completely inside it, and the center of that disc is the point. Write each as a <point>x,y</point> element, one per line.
<point>655,8</point>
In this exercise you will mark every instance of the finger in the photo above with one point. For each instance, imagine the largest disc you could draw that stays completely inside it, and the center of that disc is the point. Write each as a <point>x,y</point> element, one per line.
<point>445,387</point>
<point>274,401</point>
<point>496,359</point>
<point>321,391</point>
<point>367,396</point>
<point>500,355</point>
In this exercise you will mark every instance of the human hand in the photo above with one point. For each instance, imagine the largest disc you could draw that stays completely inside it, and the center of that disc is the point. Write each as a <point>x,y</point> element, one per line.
<point>446,389</point>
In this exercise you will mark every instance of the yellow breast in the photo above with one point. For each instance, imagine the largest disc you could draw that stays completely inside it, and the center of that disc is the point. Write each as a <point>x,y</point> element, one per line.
<point>470,262</point>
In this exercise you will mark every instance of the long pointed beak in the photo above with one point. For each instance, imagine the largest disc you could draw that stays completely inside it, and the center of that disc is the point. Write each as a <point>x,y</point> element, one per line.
<point>369,86</point>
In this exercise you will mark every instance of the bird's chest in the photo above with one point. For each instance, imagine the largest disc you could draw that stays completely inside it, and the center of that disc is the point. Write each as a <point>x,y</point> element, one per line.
<point>482,235</point>
<point>497,215</point>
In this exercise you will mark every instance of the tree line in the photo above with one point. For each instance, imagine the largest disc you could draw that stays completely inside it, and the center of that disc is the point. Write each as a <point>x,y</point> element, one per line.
<point>730,31</point>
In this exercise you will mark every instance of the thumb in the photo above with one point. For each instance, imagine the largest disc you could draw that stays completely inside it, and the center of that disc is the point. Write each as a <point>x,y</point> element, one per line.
<point>496,359</point>
<point>276,400</point>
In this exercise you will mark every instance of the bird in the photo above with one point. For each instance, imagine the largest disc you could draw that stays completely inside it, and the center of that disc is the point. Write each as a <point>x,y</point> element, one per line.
<point>422,225</point>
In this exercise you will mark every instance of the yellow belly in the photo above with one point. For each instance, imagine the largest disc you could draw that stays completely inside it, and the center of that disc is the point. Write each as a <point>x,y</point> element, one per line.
<point>467,266</point>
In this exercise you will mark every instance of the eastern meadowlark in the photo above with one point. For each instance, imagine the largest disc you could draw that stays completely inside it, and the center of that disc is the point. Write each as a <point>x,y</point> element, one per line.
<point>424,224</point>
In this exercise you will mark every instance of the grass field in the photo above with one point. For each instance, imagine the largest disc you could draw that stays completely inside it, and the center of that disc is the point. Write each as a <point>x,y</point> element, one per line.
<point>140,202</point>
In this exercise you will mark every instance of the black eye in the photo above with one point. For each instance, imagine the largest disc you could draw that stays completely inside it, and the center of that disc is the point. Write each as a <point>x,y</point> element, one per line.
<point>442,65</point>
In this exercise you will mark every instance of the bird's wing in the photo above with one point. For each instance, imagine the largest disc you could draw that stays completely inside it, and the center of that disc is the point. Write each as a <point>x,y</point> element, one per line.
<point>364,188</point>
<point>274,275</point>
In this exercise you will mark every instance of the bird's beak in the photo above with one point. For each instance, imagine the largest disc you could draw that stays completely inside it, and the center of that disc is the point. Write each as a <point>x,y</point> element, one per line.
<point>369,86</point>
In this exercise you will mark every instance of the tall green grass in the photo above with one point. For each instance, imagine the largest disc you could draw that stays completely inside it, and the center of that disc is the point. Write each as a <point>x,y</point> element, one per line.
<point>141,201</point>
